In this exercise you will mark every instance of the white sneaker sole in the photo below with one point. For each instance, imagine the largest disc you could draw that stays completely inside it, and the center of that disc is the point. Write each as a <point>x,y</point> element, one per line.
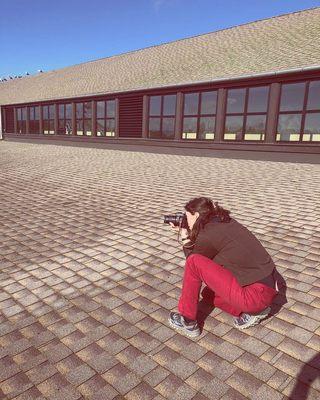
<point>255,320</point>
<point>184,331</point>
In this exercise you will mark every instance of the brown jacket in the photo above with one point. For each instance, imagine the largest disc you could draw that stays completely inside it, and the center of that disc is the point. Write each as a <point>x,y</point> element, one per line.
<point>233,246</point>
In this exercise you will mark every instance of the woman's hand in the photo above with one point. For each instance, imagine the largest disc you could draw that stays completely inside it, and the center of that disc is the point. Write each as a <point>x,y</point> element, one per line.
<point>183,232</point>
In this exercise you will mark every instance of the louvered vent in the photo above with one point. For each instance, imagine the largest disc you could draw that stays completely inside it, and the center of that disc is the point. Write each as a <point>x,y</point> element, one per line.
<point>130,116</point>
<point>9,119</point>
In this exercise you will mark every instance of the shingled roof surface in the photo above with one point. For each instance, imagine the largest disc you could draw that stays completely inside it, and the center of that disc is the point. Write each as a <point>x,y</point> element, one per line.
<point>285,42</point>
<point>89,274</point>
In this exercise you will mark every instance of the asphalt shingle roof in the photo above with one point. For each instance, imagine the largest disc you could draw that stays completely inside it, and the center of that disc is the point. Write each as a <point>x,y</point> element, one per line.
<point>89,274</point>
<point>285,42</point>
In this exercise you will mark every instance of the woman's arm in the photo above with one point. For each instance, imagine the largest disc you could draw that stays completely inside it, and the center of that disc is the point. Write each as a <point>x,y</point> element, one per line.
<point>203,245</point>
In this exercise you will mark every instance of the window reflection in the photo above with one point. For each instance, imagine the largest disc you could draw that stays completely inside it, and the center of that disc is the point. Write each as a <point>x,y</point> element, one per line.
<point>289,127</point>
<point>189,128</point>
<point>169,105</point>
<point>65,119</point>
<point>160,124</point>
<point>208,102</point>
<point>235,100</point>
<point>312,128</point>
<point>233,127</point>
<point>191,103</point>
<point>258,99</point>
<point>292,96</point>
<point>106,113</point>
<point>199,115</point>
<point>206,128</point>
<point>255,127</point>
<point>314,96</point>
<point>155,105</point>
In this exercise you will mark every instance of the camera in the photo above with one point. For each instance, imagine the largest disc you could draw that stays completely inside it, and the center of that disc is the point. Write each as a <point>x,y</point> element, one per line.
<point>177,219</point>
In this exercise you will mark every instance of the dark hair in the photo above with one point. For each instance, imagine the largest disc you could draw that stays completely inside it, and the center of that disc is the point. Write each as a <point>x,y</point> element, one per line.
<point>207,210</point>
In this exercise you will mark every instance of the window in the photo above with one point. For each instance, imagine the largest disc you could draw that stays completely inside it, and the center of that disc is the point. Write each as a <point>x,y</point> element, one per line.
<point>84,119</point>
<point>199,115</point>
<point>106,118</point>
<point>246,114</point>
<point>21,114</point>
<point>299,112</point>
<point>162,112</point>
<point>65,119</point>
<point>48,114</point>
<point>34,119</point>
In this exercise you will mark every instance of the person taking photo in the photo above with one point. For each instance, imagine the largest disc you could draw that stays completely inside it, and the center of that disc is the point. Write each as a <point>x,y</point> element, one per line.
<point>238,272</point>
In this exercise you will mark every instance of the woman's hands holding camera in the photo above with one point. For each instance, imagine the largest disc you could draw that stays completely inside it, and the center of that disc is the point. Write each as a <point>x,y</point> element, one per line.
<point>184,234</point>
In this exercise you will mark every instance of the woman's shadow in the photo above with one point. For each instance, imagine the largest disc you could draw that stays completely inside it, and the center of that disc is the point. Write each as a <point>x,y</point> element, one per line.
<point>205,306</point>
<point>309,373</point>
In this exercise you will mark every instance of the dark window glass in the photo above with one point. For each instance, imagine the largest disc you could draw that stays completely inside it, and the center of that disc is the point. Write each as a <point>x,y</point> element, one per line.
<point>235,100</point>
<point>154,128</point>
<point>31,113</point>
<point>87,110</point>
<point>168,127</point>
<point>69,111</point>
<point>169,105</point>
<point>87,127</point>
<point>233,128</point>
<point>314,96</point>
<point>208,102</point>
<point>206,128</point>
<point>110,127</point>
<point>61,111</point>
<point>155,105</point>
<point>111,108</point>
<point>191,102</point>
<point>51,111</point>
<point>45,112</point>
<point>37,113</point>
<point>255,127</point>
<point>51,127</point>
<point>80,127</point>
<point>292,96</point>
<point>101,109</point>
<point>24,114</point>
<point>289,127</point>
<point>100,127</point>
<point>189,128</point>
<point>258,99</point>
<point>79,110</point>
<point>312,127</point>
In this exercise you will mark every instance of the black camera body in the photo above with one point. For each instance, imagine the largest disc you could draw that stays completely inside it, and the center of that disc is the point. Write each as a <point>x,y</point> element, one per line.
<point>177,219</point>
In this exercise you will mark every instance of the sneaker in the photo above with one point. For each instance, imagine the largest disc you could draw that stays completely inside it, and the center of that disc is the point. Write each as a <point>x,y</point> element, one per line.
<point>246,320</point>
<point>178,322</point>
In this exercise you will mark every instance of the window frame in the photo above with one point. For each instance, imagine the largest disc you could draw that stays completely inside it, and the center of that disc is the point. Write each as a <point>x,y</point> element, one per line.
<point>105,117</point>
<point>64,119</point>
<point>245,114</point>
<point>162,116</point>
<point>303,113</point>
<point>49,119</point>
<point>199,115</point>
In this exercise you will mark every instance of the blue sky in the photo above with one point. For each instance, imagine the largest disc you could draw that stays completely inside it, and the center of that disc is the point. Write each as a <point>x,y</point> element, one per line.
<point>51,34</point>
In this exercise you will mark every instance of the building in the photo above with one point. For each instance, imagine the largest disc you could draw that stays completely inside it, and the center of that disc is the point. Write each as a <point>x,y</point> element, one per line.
<point>251,87</point>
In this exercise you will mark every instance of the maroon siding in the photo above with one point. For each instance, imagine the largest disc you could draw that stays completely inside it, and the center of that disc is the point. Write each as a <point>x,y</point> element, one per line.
<point>9,119</point>
<point>130,116</point>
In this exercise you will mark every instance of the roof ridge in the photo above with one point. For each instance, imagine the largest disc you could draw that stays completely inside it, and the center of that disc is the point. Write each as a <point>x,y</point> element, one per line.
<point>174,41</point>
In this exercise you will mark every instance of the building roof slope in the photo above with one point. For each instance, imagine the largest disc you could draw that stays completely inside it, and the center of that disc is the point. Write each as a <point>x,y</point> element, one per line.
<point>285,42</point>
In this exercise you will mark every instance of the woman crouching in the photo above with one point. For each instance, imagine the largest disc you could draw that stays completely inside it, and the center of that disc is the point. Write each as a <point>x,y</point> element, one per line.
<point>237,271</point>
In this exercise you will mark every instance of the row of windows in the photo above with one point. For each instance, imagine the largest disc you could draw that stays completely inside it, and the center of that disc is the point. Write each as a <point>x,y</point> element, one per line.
<point>105,111</point>
<point>246,113</point>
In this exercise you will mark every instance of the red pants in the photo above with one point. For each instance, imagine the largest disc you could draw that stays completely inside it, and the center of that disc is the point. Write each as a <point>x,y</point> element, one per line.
<point>222,291</point>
